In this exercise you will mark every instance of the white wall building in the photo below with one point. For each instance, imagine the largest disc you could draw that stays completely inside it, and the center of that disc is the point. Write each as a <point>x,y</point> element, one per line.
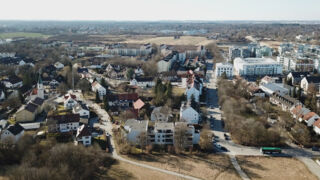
<point>256,66</point>
<point>96,87</point>
<point>189,115</point>
<point>222,68</point>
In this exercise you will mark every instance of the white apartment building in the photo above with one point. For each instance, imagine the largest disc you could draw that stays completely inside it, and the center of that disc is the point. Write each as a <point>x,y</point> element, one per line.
<point>224,68</point>
<point>256,66</point>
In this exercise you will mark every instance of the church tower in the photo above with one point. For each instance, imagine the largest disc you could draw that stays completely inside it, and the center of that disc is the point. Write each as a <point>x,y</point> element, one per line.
<point>40,89</point>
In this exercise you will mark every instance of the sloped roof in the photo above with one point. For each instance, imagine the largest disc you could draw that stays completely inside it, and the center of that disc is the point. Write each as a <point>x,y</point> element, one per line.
<point>138,104</point>
<point>31,107</point>
<point>309,115</point>
<point>15,129</point>
<point>313,79</point>
<point>83,130</point>
<point>67,118</point>
<point>38,101</point>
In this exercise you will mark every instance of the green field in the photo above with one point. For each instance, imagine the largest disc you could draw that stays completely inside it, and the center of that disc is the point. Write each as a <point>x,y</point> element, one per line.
<point>22,34</point>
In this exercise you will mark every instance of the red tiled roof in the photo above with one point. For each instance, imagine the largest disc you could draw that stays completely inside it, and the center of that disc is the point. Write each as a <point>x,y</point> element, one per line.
<point>308,116</point>
<point>138,104</point>
<point>296,110</point>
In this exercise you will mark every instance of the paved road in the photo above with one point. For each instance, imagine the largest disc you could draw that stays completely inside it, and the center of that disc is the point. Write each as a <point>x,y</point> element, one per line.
<point>303,154</point>
<point>107,126</point>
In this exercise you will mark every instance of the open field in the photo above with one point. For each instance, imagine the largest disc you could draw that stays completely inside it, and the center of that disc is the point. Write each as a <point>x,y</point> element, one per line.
<point>184,40</point>
<point>272,168</point>
<point>22,34</point>
<point>207,167</point>
<point>129,171</point>
<point>272,44</point>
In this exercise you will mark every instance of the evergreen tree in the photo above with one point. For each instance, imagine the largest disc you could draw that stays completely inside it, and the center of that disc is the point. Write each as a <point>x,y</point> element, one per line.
<point>194,104</point>
<point>97,97</point>
<point>299,93</point>
<point>106,104</point>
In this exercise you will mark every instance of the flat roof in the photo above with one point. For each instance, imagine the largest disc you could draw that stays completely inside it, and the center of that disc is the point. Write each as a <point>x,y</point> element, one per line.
<point>256,61</point>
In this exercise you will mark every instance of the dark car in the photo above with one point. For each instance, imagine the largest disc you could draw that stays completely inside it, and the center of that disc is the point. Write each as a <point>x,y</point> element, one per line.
<point>222,148</point>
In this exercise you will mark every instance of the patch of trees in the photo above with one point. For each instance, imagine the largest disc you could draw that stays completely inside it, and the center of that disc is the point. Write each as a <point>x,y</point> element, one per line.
<point>245,126</point>
<point>32,160</point>
<point>162,92</point>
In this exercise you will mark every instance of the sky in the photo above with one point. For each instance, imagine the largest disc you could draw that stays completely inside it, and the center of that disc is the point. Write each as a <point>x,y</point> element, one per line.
<point>154,10</point>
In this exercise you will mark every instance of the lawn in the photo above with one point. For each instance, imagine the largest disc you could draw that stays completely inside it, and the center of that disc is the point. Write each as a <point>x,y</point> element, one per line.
<point>176,91</point>
<point>207,167</point>
<point>22,34</point>
<point>272,168</point>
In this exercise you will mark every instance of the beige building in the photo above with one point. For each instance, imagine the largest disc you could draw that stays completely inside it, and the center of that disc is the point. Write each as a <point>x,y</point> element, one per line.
<point>28,113</point>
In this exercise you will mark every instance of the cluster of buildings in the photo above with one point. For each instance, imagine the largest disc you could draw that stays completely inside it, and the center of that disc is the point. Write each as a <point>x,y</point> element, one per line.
<point>299,57</point>
<point>129,49</point>
<point>253,50</point>
<point>161,129</point>
<point>176,57</point>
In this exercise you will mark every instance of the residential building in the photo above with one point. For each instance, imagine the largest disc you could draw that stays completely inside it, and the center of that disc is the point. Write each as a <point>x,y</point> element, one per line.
<point>188,114</point>
<point>27,113</point>
<point>143,82</point>
<point>69,101</point>
<point>191,134</point>
<point>81,109</point>
<point>58,65</point>
<point>13,82</point>
<point>63,123</point>
<point>307,81</point>
<point>122,101</point>
<point>310,118</point>
<point>96,87</point>
<point>12,132</point>
<point>284,101</point>
<point>316,127</point>
<point>165,64</point>
<point>296,77</point>
<point>224,68</point>
<point>135,130</point>
<point>163,133</point>
<point>160,114</point>
<point>234,52</point>
<point>83,135</point>
<point>271,88</point>
<point>256,67</point>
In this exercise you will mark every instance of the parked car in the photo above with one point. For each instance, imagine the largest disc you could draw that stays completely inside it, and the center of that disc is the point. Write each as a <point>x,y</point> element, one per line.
<point>224,149</point>
<point>218,146</point>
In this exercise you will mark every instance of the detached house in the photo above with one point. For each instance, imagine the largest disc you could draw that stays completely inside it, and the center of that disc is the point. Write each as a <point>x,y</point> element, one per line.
<point>122,101</point>
<point>29,112</point>
<point>188,114</point>
<point>161,114</point>
<point>63,123</point>
<point>13,132</point>
<point>70,101</point>
<point>13,82</point>
<point>58,65</point>
<point>83,135</point>
<point>96,87</point>
<point>306,81</point>
<point>81,109</point>
<point>143,82</point>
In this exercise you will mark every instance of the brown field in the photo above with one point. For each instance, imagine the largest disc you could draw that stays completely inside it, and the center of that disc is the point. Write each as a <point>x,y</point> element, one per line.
<point>272,44</point>
<point>274,168</point>
<point>208,167</point>
<point>129,171</point>
<point>184,40</point>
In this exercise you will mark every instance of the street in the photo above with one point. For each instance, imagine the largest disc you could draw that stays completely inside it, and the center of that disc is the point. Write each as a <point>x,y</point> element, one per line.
<point>233,149</point>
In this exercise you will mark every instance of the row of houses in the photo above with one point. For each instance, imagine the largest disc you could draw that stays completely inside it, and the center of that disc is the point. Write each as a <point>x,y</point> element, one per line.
<point>297,110</point>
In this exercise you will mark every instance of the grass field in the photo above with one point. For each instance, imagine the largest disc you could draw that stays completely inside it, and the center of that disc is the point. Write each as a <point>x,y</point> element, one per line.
<point>184,40</point>
<point>22,34</point>
<point>271,168</point>
<point>216,167</point>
